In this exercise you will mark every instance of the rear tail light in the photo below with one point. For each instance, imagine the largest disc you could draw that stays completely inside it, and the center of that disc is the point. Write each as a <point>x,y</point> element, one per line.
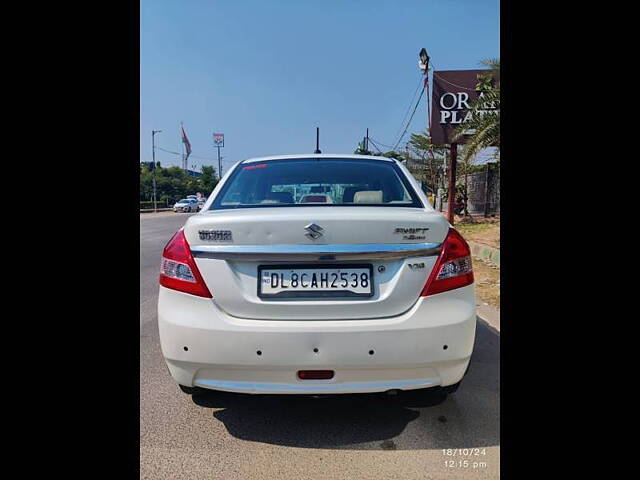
<point>453,268</point>
<point>315,374</point>
<point>178,269</point>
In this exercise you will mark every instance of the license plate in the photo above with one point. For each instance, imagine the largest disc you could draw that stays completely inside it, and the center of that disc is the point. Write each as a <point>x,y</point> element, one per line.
<point>284,281</point>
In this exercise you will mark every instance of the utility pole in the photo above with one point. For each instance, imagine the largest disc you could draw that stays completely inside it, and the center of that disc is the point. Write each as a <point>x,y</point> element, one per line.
<point>153,156</point>
<point>366,147</point>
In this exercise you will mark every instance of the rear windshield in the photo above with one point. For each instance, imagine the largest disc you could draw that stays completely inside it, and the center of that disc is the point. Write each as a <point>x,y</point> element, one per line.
<point>317,182</point>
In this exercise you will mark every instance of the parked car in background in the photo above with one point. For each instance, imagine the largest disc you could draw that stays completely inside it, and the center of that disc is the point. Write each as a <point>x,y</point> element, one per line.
<point>186,205</point>
<point>361,288</point>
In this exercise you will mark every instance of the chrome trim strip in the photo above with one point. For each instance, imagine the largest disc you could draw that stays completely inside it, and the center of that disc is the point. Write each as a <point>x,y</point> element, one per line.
<point>311,387</point>
<point>368,251</point>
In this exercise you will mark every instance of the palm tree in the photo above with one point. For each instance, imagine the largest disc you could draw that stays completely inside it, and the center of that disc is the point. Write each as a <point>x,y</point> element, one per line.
<point>484,122</point>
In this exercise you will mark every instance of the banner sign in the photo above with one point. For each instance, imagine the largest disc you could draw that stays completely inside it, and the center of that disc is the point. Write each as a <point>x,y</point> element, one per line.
<point>218,139</point>
<point>453,90</point>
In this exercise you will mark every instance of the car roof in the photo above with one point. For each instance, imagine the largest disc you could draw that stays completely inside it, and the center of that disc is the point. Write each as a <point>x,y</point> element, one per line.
<point>318,155</point>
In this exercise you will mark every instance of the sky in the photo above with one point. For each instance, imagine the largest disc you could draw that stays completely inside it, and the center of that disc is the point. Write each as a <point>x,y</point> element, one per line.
<point>267,73</point>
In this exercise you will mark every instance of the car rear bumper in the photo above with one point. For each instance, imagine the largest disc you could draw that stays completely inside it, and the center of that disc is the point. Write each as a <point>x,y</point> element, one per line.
<point>427,346</point>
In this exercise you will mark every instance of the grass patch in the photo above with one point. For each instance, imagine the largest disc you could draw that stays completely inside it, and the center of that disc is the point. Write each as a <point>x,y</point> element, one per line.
<point>487,233</point>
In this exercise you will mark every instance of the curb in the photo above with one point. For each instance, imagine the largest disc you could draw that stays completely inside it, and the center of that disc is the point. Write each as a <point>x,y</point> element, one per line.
<point>150,210</point>
<point>485,252</point>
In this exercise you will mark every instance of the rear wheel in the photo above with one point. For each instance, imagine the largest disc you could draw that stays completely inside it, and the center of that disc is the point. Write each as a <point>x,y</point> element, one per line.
<point>187,390</point>
<point>454,388</point>
<point>451,388</point>
<point>430,395</point>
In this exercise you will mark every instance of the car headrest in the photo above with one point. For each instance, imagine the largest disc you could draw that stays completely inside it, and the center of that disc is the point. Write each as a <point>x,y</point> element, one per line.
<point>368,196</point>
<point>349,192</point>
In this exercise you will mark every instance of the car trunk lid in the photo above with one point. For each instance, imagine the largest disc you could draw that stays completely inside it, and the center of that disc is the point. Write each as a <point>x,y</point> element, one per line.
<point>399,244</point>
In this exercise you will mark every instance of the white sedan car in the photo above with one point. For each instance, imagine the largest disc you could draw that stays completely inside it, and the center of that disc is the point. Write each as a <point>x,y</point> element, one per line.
<point>265,292</point>
<point>186,205</point>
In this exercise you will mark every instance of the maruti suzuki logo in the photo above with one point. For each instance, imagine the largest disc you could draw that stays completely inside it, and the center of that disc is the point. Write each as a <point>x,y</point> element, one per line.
<point>314,231</point>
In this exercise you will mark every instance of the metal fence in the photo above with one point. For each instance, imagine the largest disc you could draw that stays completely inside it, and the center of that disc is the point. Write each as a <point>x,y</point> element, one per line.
<point>483,191</point>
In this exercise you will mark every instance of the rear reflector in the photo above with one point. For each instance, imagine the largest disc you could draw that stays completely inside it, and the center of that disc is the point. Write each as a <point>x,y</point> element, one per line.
<point>315,374</point>
<point>178,269</point>
<point>453,268</point>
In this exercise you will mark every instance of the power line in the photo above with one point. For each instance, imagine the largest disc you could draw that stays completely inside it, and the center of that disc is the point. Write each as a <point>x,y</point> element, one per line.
<point>404,118</point>
<point>168,151</point>
<point>410,119</point>
<point>453,84</point>
<point>178,153</point>
<point>374,144</point>
<point>424,85</point>
<point>410,103</point>
<point>380,143</point>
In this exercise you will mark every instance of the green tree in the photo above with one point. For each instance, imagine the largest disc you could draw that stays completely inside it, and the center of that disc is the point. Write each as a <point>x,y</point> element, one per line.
<point>484,121</point>
<point>173,183</point>
<point>393,154</point>
<point>425,160</point>
<point>146,183</point>
<point>208,180</point>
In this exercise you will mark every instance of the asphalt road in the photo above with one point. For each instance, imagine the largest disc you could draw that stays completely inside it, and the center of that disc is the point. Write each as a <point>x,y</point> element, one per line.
<point>232,436</point>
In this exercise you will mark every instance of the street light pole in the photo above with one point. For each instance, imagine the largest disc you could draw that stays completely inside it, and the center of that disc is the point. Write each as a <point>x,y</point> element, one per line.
<point>153,157</point>
<point>423,63</point>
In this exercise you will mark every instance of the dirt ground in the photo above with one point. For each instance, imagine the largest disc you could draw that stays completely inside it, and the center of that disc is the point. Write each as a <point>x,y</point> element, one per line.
<point>487,279</point>
<point>485,231</point>
<point>487,276</point>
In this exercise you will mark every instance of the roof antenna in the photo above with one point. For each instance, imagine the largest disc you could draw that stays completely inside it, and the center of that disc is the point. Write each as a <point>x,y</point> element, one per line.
<point>317,140</point>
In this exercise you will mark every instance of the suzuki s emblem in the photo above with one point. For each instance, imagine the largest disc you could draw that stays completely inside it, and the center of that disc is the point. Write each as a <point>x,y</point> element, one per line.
<point>314,231</point>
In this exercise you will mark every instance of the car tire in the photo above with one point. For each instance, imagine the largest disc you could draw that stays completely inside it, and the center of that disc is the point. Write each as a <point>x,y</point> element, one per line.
<point>449,389</point>
<point>454,388</point>
<point>187,390</point>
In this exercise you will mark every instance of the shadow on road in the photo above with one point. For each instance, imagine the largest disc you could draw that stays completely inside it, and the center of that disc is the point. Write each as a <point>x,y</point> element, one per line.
<point>419,419</point>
